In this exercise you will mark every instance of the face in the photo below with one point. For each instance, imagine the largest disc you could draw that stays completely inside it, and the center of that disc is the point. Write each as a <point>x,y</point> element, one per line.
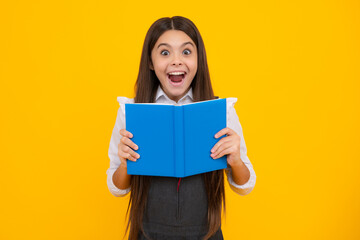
<point>174,53</point>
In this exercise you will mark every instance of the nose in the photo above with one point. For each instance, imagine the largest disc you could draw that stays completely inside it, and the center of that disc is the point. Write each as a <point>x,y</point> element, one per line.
<point>176,60</point>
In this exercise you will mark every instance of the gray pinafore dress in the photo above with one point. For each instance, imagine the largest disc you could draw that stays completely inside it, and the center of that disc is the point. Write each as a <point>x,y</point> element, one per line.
<point>177,209</point>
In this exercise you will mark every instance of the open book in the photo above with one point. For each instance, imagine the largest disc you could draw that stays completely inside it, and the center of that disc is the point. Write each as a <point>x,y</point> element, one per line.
<point>175,141</point>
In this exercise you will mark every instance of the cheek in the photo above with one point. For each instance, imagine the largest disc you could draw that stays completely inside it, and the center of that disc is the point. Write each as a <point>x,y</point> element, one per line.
<point>193,64</point>
<point>159,71</point>
<point>160,67</point>
<point>194,68</point>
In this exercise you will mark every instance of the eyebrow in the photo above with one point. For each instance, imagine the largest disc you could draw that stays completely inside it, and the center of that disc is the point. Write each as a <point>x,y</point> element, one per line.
<point>165,44</point>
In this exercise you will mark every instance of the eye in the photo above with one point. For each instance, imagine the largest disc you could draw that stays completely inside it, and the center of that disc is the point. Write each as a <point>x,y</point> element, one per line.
<point>164,52</point>
<point>187,51</point>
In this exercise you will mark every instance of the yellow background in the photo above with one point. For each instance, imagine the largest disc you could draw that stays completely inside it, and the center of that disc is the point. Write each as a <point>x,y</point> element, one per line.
<point>293,65</point>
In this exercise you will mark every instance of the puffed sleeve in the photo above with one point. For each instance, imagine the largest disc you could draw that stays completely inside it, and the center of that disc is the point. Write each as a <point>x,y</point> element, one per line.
<point>234,123</point>
<point>113,148</point>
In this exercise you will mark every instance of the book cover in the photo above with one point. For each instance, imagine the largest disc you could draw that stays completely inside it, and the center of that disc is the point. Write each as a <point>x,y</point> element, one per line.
<point>175,141</point>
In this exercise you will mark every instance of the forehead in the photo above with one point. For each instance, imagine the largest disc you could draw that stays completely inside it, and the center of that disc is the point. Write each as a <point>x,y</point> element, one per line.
<point>174,38</point>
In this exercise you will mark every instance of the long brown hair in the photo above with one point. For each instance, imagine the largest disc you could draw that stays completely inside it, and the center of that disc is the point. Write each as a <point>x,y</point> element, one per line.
<point>145,91</point>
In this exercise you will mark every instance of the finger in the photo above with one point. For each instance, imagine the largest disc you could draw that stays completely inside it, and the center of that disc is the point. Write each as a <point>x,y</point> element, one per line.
<point>127,156</point>
<point>124,152</point>
<point>125,133</point>
<point>127,149</point>
<point>218,144</point>
<point>128,142</point>
<point>223,131</point>
<point>224,146</point>
<point>123,140</point>
<point>224,152</point>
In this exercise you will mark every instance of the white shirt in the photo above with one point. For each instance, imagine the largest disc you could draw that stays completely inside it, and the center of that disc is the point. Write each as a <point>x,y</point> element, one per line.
<point>232,122</point>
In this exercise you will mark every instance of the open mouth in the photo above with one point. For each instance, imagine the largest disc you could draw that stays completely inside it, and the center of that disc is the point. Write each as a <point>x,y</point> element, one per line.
<point>176,78</point>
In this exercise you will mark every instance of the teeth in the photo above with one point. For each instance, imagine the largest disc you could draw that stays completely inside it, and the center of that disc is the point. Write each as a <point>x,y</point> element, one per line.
<point>176,73</point>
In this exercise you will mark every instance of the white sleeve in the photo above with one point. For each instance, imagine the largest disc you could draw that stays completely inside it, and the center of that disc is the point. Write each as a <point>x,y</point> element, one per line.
<point>113,149</point>
<point>234,123</point>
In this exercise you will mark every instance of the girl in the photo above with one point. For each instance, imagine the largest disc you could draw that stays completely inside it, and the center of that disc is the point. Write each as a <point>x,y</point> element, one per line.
<point>174,70</point>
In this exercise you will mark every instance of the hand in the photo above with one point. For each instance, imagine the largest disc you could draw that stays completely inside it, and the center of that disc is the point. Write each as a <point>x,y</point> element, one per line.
<point>126,147</point>
<point>229,145</point>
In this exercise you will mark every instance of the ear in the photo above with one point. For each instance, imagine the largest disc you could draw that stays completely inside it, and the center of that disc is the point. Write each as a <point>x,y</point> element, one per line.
<point>151,66</point>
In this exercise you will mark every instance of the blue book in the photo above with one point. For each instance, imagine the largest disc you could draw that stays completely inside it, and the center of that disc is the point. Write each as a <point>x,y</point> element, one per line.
<point>175,141</point>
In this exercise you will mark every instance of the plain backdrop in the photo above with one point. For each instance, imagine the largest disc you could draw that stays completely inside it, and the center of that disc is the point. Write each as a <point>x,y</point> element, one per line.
<point>293,65</point>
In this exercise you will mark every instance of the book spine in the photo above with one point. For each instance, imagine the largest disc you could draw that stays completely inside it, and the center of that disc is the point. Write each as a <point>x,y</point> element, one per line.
<point>179,141</point>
